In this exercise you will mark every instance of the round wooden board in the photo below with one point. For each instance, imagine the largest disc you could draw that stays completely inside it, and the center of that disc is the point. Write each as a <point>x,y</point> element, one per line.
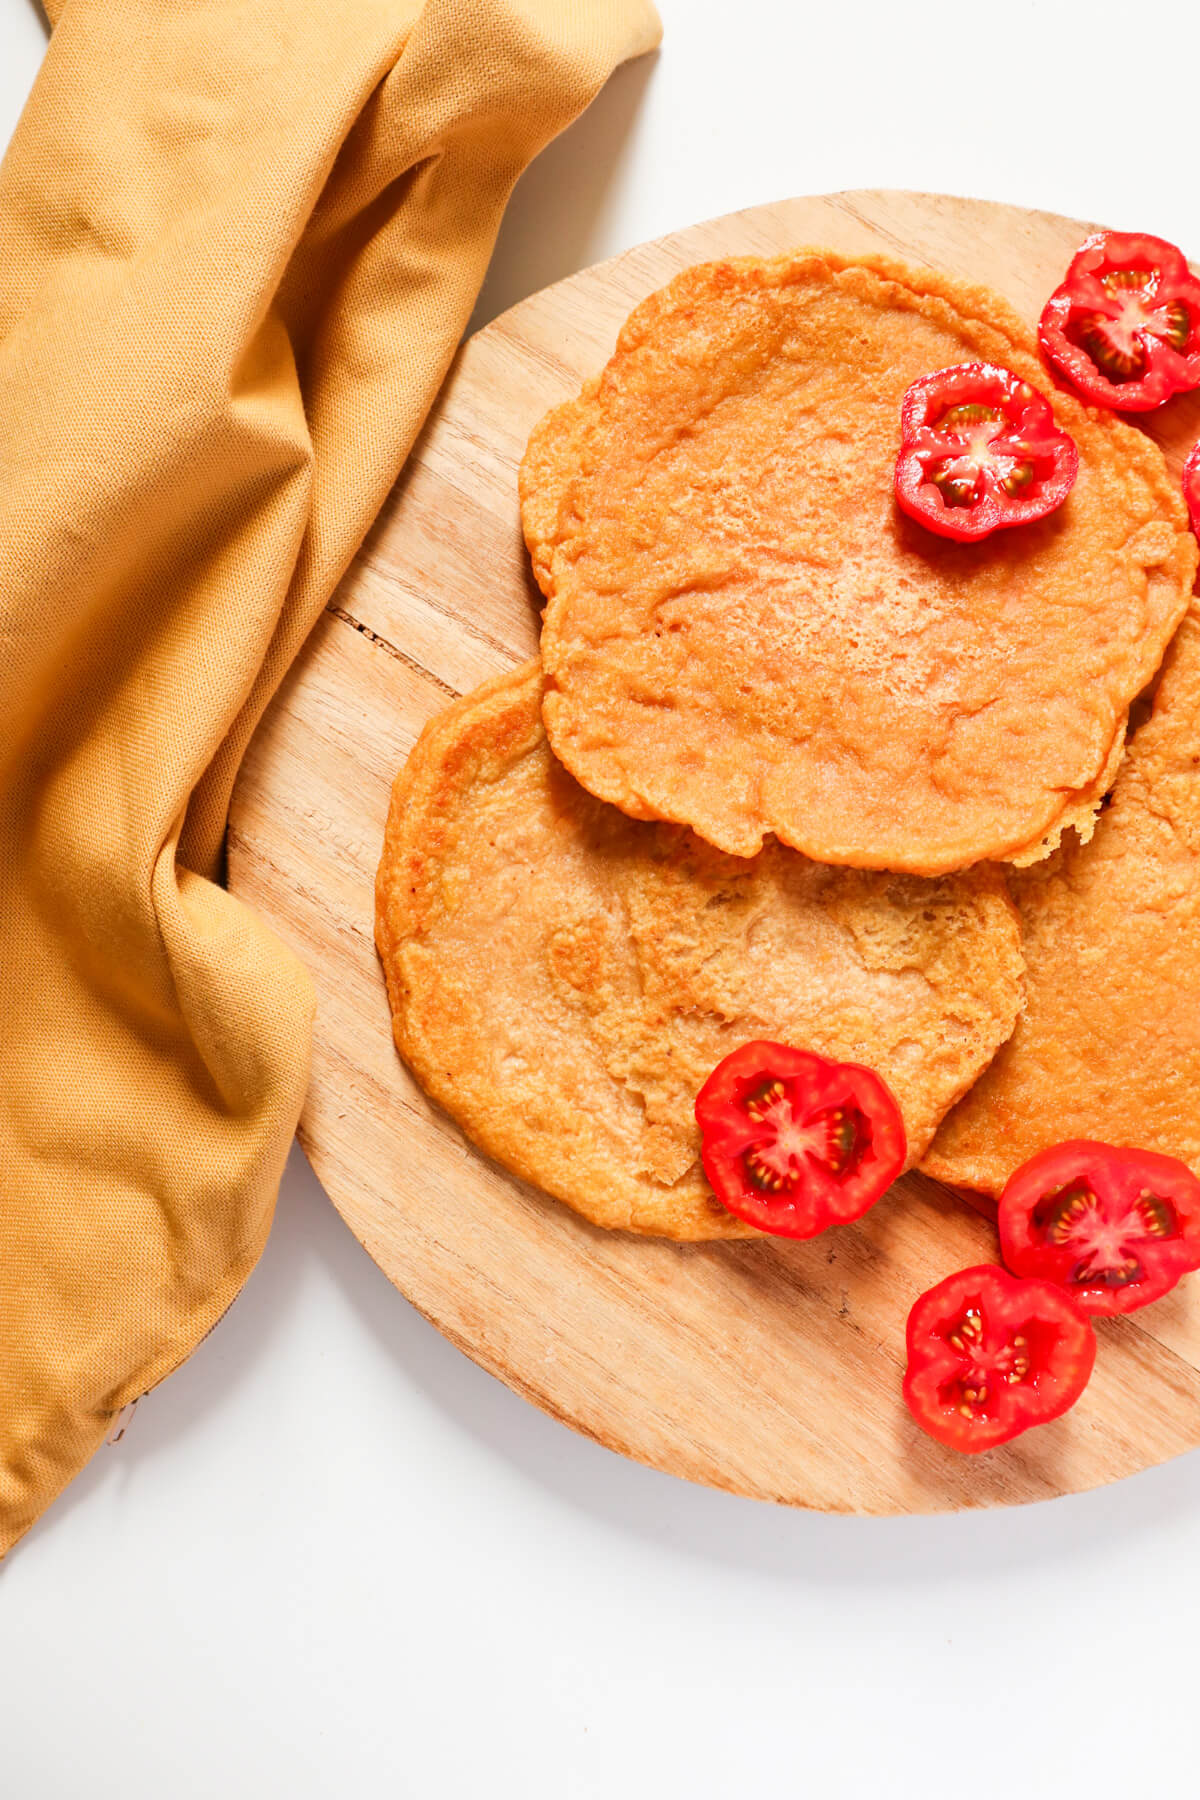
<point>769,1368</point>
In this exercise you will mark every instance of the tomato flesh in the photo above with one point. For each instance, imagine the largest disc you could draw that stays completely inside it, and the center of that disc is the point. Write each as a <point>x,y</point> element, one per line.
<point>793,1142</point>
<point>979,450</point>
<point>990,1355</point>
<point>1116,1228</point>
<point>1124,324</point>
<point>1191,486</point>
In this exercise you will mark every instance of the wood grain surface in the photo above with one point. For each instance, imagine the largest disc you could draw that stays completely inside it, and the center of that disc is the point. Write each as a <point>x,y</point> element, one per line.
<point>770,1368</point>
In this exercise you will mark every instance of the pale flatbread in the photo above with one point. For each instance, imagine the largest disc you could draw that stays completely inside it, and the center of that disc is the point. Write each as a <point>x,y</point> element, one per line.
<point>1108,1046</point>
<point>563,978</point>
<point>743,634</point>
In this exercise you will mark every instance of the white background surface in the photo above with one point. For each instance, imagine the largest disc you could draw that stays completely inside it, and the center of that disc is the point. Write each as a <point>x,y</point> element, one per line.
<point>331,1557</point>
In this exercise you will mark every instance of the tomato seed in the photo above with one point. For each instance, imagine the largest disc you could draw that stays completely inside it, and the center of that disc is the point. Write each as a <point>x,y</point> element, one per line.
<point>759,1102</point>
<point>1157,1215</point>
<point>962,417</point>
<point>1019,478</point>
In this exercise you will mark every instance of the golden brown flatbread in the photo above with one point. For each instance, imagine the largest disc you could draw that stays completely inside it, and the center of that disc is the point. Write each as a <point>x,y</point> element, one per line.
<point>1108,1046</point>
<point>743,633</point>
<point>563,978</point>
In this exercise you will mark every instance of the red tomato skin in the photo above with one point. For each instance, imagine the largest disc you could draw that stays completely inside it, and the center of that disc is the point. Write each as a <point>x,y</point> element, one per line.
<point>1120,1173</point>
<point>1168,371</point>
<point>724,1137</point>
<point>1029,414</point>
<point>1040,1308</point>
<point>1191,486</point>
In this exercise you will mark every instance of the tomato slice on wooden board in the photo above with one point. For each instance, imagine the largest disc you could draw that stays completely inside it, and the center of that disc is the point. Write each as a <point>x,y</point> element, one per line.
<point>1191,486</point>
<point>1114,1228</point>
<point>979,450</point>
<point>990,1355</point>
<point>792,1142</point>
<point>1124,325</point>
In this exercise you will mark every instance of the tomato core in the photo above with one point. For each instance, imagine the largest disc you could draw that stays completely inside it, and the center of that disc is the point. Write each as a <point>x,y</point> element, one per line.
<point>1104,1239</point>
<point>959,474</point>
<point>986,1366</point>
<point>1118,345</point>
<point>835,1138</point>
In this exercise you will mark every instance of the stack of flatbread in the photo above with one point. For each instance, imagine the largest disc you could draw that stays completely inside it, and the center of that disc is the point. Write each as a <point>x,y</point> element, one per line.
<point>791,767</point>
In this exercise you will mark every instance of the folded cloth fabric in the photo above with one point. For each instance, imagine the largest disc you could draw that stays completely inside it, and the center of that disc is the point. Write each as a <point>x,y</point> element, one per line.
<point>239,241</point>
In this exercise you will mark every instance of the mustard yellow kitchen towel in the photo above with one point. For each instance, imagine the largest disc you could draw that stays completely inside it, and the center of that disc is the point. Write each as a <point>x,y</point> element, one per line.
<point>239,240</point>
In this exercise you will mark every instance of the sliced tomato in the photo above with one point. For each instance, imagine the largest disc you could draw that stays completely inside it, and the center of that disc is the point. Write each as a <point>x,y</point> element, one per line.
<point>1114,1228</point>
<point>793,1142</point>
<point>989,1356</point>
<point>979,450</point>
<point>1191,486</point>
<point>1124,325</point>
